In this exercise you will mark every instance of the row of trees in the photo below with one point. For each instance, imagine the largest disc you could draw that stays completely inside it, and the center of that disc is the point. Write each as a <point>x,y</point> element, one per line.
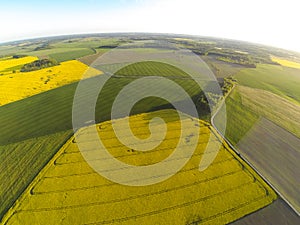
<point>39,64</point>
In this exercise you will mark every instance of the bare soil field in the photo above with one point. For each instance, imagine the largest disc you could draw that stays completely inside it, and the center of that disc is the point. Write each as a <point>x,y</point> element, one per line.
<point>276,213</point>
<point>275,153</point>
<point>222,69</point>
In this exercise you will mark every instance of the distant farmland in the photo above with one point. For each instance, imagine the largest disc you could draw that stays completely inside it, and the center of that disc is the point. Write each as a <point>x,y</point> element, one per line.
<point>68,191</point>
<point>32,155</point>
<point>45,179</point>
<point>279,80</point>
<point>263,115</point>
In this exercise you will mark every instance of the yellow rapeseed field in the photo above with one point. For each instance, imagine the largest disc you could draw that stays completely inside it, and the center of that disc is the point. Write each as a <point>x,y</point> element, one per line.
<point>69,191</point>
<point>286,63</point>
<point>19,85</point>
<point>10,62</point>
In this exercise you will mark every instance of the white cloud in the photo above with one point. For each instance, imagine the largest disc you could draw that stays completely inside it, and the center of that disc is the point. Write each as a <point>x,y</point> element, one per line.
<point>269,22</point>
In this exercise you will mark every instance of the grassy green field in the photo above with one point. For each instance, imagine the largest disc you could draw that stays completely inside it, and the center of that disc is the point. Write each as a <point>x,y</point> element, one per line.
<point>86,42</point>
<point>39,115</point>
<point>60,54</point>
<point>22,161</point>
<point>240,118</point>
<point>281,111</point>
<point>61,50</point>
<point>73,54</point>
<point>279,80</point>
<point>151,68</point>
<point>246,105</point>
<point>269,91</point>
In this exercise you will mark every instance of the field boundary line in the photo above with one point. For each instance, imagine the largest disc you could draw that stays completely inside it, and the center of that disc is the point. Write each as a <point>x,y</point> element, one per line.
<point>35,181</point>
<point>246,160</point>
<point>162,191</point>
<point>185,204</point>
<point>112,184</point>
<point>87,173</point>
<point>124,156</point>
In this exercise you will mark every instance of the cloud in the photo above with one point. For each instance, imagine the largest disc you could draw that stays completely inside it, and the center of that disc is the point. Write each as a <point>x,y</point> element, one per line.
<point>273,23</point>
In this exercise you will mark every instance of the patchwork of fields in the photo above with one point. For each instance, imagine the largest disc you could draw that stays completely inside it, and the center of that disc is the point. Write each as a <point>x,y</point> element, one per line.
<point>61,50</point>
<point>282,81</point>
<point>246,105</point>
<point>222,69</point>
<point>22,161</point>
<point>46,180</point>
<point>36,118</point>
<point>263,122</point>
<point>68,191</point>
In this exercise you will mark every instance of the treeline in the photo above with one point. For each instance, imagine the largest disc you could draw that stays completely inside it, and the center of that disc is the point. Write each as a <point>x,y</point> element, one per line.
<point>199,48</point>
<point>107,46</point>
<point>227,84</point>
<point>242,53</point>
<point>18,56</point>
<point>204,101</point>
<point>39,64</point>
<point>44,46</point>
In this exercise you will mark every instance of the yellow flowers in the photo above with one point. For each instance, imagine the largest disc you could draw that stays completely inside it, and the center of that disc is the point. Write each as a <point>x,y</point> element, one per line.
<point>10,62</point>
<point>286,63</point>
<point>19,85</point>
<point>69,191</point>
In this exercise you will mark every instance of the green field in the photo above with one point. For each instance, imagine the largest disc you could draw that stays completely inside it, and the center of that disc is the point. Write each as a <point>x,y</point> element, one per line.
<point>240,119</point>
<point>62,54</point>
<point>62,50</point>
<point>22,161</point>
<point>271,91</point>
<point>73,54</point>
<point>39,115</point>
<point>279,80</point>
<point>152,68</point>
<point>246,105</point>
<point>86,42</point>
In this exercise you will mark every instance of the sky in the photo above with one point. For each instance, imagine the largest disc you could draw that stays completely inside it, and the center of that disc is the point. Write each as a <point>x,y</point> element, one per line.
<point>273,22</point>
